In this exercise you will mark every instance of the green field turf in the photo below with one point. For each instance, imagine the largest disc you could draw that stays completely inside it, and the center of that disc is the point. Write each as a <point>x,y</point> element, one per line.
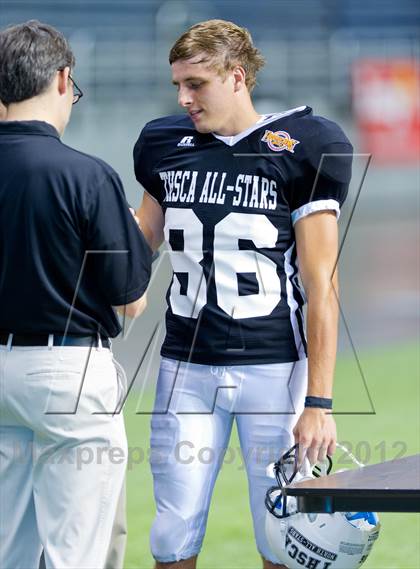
<point>392,377</point>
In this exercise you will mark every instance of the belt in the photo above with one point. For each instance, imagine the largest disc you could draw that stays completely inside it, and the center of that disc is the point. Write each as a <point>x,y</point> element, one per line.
<point>43,340</point>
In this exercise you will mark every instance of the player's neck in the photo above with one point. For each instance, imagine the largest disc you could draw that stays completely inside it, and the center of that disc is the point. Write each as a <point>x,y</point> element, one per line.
<point>244,117</point>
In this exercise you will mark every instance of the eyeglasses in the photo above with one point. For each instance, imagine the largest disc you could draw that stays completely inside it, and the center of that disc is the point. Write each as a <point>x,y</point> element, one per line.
<point>77,92</point>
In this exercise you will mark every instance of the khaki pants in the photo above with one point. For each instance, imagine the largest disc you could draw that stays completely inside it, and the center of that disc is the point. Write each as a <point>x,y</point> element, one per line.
<point>118,543</point>
<point>116,551</point>
<point>63,456</point>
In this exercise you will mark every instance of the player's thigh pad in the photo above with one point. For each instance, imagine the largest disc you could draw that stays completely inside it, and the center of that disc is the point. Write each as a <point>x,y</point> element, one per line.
<point>187,445</point>
<point>270,403</point>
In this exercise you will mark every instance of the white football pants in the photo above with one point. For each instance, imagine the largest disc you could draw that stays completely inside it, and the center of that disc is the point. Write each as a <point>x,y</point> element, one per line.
<point>62,455</point>
<point>193,415</point>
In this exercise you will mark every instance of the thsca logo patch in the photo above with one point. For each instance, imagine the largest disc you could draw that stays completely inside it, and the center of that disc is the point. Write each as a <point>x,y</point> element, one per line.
<point>280,140</point>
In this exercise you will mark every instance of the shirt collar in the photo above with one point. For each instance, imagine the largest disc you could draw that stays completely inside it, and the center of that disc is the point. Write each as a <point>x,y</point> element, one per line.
<point>28,127</point>
<point>262,121</point>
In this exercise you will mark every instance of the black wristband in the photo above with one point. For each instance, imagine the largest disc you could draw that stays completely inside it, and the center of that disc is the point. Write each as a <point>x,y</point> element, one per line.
<point>318,402</point>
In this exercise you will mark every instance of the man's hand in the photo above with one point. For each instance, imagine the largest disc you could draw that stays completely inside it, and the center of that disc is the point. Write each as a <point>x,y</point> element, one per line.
<point>316,434</point>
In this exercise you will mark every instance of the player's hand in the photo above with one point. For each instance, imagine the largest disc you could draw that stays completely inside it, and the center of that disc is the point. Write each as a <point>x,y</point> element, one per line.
<point>316,434</point>
<point>133,213</point>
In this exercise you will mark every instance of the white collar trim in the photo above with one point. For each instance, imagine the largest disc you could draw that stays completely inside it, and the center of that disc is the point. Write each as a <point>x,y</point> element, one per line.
<point>265,119</point>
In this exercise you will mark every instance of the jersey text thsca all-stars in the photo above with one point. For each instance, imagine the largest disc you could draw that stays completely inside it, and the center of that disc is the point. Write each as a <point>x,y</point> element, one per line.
<point>230,206</point>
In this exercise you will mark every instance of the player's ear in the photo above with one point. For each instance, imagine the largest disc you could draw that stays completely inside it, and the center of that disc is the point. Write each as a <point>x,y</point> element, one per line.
<point>63,80</point>
<point>239,76</point>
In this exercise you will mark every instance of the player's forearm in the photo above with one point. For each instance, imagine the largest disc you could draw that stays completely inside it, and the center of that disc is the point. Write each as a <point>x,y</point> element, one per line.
<point>152,239</point>
<point>322,327</point>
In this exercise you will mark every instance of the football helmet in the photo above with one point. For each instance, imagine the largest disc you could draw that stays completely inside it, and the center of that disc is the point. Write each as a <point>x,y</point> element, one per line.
<point>342,540</point>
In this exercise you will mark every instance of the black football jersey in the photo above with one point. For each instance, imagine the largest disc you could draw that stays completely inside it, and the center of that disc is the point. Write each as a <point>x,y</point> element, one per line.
<point>230,205</point>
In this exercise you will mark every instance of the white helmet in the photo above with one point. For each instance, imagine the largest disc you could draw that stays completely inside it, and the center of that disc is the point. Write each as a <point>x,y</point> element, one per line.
<point>342,540</point>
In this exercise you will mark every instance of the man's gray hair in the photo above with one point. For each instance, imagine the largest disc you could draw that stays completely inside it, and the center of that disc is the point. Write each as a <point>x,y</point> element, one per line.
<point>30,55</point>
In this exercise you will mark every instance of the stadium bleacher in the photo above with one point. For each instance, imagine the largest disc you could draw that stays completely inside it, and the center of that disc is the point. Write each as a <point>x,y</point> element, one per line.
<point>122,46</point>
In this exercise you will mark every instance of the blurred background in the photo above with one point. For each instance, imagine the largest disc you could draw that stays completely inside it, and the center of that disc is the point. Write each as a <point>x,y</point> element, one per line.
<point>354,61</point>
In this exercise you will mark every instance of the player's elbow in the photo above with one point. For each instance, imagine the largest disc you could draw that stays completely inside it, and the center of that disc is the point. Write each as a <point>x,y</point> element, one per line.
<point>322,290</point>
<point>321,279</point>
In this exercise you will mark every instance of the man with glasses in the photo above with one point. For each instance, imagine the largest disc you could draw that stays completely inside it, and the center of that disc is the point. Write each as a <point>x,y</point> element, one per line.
<point>70,251</point>
<point>77,92</point>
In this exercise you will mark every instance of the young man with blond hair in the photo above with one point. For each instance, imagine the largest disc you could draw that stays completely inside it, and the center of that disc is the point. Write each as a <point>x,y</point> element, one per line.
<point>239,198</point>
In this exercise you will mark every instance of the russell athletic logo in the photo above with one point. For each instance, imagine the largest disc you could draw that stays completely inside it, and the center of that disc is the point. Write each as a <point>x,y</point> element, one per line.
<point>280,140</point>
<point>187,141</point>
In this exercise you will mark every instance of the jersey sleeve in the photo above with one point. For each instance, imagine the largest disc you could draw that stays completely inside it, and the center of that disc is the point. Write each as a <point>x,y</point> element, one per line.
<point>119,258</point>
<point>143,155</point>
<point>324,176</point>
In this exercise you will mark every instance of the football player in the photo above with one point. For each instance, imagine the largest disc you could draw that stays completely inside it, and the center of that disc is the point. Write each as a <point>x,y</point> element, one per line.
<point>245,202</point>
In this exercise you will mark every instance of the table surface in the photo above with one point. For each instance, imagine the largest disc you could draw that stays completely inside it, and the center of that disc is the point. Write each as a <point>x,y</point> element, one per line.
<point>389,486</point>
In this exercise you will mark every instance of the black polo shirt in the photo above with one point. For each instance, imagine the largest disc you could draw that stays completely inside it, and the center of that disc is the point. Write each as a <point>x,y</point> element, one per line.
<point>69,246</point>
